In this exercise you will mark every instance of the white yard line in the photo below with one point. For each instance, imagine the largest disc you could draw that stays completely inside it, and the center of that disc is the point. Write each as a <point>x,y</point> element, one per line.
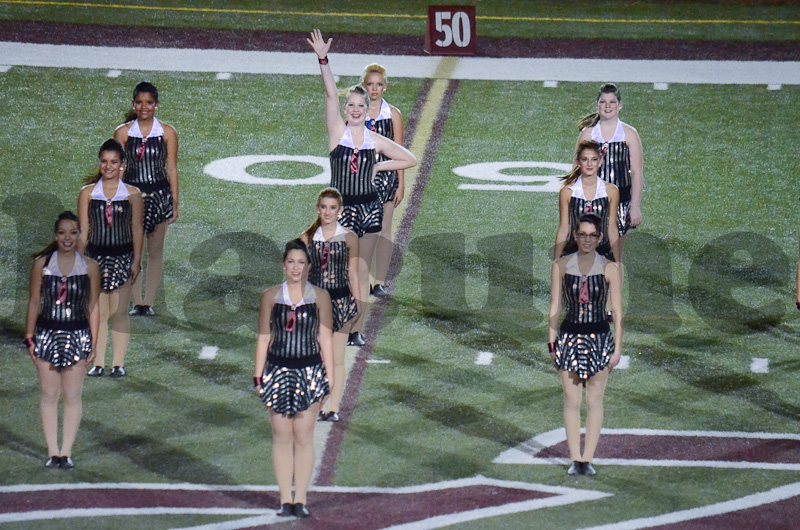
<point>499,69</point>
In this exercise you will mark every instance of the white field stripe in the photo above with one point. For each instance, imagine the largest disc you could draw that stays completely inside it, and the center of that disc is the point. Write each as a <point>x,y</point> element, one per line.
<point>208,353</point>
<point>539,188</point>
<point>774,87</point>
<point>249,522</point>
<point>114,73</point>
<point>378,361</point>
<point>759,365</point>
<point>743,503</point>
<point>484,358</point>
<point>624,362</point>
<point>486,68</point>
<point>74,513</point>
<point>5,68</point>
<point>660,86</point>
<point>222,76</point>
<point>550,84</point>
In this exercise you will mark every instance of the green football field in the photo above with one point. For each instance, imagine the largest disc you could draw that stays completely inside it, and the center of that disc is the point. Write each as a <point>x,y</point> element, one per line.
<point>709,288</point>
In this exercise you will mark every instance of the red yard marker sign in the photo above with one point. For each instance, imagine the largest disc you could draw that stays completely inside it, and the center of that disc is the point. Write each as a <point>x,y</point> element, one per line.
<point>451,30</point>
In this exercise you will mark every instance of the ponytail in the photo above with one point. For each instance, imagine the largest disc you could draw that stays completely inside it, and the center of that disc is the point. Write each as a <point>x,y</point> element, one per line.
<point>572,177</point>
<point>53,246</point>
<point>327,193</point>
<point>590,120</point>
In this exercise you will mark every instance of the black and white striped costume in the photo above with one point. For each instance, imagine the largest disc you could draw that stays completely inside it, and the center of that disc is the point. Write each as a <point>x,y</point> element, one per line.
<point>585,342</point>
<point>331,273</point>
<point>149,174</point>
<point>62,335</point>
<point>386,182</point>
<point>294,377</point>
<point>578,205</point>
<point>616,169</point>
<point>111,243</point>
<point>362,210</point>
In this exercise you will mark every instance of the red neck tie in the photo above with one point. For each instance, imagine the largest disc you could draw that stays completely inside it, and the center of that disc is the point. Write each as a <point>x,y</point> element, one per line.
<point>583,297</point>
<point>62,291</point>
<point>326,254</point>
<point>140,151</point>
<point>354,161</point>
<point>290,322</point>
<point>605,150</point>
<point>588,208</point>
<point>109,218</point>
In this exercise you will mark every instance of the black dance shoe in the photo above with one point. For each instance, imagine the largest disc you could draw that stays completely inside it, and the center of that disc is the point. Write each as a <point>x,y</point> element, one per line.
<point>329,416</point>
<point>286,510</point>
<point>95,371</point>
<point>67,463</point>
<point>136,310</point>
<point>588,469</point>
<point>575,469</point>
<point>54,462</point>
<point>356,339</point>
<point>118,371</point>
<point>379,291</point>
<point>147,311</point>
<point>300,510</point>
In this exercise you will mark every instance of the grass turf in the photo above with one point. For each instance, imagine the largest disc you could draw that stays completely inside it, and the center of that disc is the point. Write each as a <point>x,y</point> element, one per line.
<point>431,414</point>
<point>619,19</point>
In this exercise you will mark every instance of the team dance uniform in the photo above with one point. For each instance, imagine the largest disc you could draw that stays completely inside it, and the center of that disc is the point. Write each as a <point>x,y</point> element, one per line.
<point>616,169</point>
<point>585,342</point>
<point>146,168</point>
<point>351,174</point>
<point>329,271</point>
<point>62,335</point>
<point>294,377</point>
<point>110,236</point>
<point>579,205</point>
<point>386,182</point>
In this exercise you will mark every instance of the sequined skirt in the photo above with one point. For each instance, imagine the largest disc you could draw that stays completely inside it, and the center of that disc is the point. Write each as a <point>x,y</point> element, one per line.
<point>157,208</point>
<point>584,354</point>
<point>114,270</point>
<point>386,182</point>
<point>62,348</point>
<point>366,218</point>
<point>292,390</point>
<point>344,310</point>
<point>624,217</point>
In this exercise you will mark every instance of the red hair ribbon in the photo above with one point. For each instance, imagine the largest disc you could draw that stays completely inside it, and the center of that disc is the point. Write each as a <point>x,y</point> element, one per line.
<point>290,322</point>
<point>62,291</point>
<point>583,297</point>
<point>109,218</point>
<point>354,161</point>
<point>140,151</point>
<point>326,254</point>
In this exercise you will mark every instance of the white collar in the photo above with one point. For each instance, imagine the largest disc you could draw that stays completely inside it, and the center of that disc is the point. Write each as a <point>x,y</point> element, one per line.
<point>309,295</point>
<point>121,194</point>
<point>339,231</point>
<point>157,130</point>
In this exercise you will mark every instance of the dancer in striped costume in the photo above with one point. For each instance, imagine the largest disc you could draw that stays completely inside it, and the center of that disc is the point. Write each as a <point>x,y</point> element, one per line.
<point>583,348</point>
<point>583,192</point>
<point>353,149</point>
<point>387,121</point>
<point>334,267</point>
<point>151,164</point>
<point>622,156</point>
<point>60,328</point>
<point>111,228</point>
<point>293,372</point>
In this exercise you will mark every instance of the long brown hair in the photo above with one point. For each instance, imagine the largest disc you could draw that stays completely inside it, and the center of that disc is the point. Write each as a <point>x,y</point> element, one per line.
<point>53,246</point>
<point>590,120</point>
<point>109,145</point>
<point>327,193</point>
<point>570,179</point>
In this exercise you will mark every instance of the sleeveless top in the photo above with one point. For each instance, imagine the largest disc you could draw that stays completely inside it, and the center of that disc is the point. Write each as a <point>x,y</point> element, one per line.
<point>383,123</point>
<point>64,301</point>
<point>110,222</point>
<point>356,186</point>
<point>293,330</point>
<point>585,297</point>
<point>599,205</point>
<point>616,167</point>
<point>146,158</point>
<point>329,263</point>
